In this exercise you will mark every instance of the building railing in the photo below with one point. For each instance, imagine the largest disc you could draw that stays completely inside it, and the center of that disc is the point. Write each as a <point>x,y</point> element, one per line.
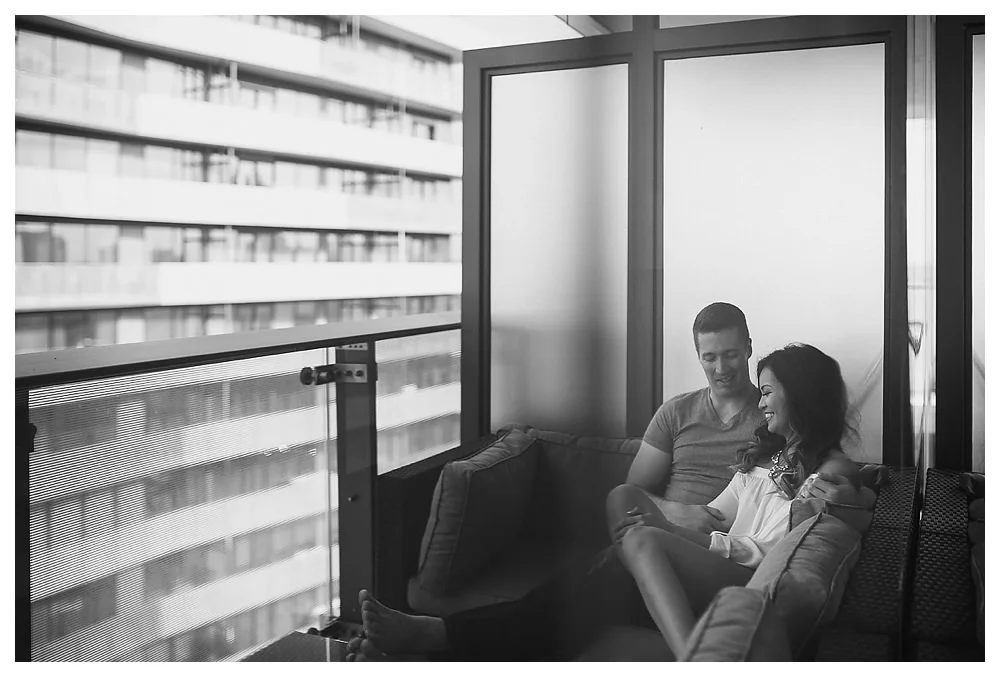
<point>195,499</point>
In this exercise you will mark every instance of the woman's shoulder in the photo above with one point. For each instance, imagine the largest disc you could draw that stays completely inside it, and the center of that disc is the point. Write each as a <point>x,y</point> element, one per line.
<point>839,463</point>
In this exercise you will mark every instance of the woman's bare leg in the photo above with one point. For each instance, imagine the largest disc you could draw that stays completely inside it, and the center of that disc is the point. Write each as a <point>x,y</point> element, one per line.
<point>677,579</point>
<point>623,498</point>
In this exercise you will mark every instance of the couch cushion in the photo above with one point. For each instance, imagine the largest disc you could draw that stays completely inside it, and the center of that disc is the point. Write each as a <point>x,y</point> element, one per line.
<point>741,624</point>
<point>859,518</point>
<point>524,566</point>
<point>476,511</point>
<point>805,574</point>
<point>576,474</point>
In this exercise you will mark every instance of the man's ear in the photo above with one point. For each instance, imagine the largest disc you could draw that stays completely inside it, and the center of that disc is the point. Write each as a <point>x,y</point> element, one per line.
<point>749,347</point>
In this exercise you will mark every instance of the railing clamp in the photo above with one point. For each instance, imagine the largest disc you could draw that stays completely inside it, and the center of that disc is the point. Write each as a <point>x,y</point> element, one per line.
<point>339,373</point>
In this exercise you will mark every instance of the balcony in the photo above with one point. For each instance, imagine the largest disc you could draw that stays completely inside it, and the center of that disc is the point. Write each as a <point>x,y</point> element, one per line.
<point>219,38</point>
<point>168,118</point>
<point>60,194</point>
<point>40,286</point>
<point>178,525</point>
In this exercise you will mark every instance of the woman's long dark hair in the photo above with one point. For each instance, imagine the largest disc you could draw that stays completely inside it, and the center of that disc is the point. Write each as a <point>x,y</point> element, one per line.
<point>816,398</point>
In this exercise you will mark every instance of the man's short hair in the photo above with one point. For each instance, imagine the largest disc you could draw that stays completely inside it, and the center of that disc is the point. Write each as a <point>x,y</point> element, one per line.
<point>717,317</point>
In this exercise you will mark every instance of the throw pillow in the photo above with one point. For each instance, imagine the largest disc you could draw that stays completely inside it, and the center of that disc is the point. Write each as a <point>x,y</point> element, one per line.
<point>741,624</point>
<point>805,574</point>
<point>477,509</point>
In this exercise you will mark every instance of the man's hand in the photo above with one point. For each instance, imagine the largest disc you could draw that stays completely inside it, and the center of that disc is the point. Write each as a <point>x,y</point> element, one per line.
<point>837,489</point>
<point>702,518</point>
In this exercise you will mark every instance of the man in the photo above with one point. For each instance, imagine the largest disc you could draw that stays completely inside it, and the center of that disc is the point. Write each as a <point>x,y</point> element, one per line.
<point>683,461</point>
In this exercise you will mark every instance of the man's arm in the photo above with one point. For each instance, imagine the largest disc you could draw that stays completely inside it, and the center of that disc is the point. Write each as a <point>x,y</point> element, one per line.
<point>650,471</point>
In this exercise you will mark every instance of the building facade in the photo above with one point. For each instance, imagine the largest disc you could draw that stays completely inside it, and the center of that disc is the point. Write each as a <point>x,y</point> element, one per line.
<point>188,176</point>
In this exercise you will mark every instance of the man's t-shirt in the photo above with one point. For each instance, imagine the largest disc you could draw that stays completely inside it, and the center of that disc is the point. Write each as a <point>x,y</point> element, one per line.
<point>703,446</point>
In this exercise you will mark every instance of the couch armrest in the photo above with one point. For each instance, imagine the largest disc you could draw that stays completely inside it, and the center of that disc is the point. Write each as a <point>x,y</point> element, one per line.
<point>403,503</point>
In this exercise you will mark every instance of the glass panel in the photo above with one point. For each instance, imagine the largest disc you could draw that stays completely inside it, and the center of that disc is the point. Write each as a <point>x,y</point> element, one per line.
<point>565,212</point>
<point>978,254</point>
<point>794,142</point>
<point>418,399</point>
<point>193,504</point>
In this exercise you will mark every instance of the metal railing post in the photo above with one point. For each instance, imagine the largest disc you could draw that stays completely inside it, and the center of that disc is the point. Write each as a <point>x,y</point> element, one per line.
<point>356,472</point>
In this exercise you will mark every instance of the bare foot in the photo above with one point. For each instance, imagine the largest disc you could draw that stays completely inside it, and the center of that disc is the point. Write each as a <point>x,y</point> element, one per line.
<point>394,633</point>
<point>363,650</point>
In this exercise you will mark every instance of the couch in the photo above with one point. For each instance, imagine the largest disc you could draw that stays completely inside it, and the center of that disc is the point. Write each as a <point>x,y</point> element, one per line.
<point>490,521</point>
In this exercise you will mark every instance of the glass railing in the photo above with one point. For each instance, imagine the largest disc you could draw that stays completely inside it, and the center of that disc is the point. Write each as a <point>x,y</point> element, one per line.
<point>183,497</point>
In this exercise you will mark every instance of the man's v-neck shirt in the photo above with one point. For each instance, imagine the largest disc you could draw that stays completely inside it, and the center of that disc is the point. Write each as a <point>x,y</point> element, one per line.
<point>703,446</point>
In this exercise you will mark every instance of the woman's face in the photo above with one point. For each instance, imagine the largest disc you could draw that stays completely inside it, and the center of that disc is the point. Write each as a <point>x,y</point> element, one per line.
<point>774,405</point>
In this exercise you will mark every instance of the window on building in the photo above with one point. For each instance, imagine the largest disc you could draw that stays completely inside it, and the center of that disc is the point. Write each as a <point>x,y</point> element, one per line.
<point>428,247</point>
<point>133,73</point>
<point>133,160</point>
<point>102,156</point>
<point>75,609</point>
<point>104,67</point>
<point>69,152</point>
<point>35,52</point>
<point>69,242</point>
<point>70,60</point>
<point>384,247</point>
<point>102,243</point>
<point>33,243</point>
<point>164,244</point>
<point>32,149</point>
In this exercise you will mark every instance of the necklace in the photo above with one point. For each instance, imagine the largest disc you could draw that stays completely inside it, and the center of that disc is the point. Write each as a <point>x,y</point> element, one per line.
<point>779,466</point>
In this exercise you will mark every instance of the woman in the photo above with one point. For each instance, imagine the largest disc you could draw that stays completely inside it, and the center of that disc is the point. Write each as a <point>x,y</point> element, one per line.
<point>678,571</point>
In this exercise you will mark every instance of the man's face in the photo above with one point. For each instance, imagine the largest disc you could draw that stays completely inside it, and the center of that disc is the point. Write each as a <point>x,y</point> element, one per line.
<point>725,358</point>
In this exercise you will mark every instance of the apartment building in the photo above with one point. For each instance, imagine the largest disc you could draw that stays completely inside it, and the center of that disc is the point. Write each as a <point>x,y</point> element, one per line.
<point>180,177</point>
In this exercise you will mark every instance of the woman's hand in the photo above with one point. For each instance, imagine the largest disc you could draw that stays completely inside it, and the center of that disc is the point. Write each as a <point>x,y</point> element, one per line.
<point>634,517</point>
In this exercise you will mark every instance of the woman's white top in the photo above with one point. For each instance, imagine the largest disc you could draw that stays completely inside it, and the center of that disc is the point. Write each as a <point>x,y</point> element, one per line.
<point>759,516</point>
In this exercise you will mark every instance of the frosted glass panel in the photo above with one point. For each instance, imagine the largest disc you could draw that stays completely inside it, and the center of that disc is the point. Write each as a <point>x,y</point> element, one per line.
<point>978,254</point>
<point>774,179</point>
<point>558,249</point>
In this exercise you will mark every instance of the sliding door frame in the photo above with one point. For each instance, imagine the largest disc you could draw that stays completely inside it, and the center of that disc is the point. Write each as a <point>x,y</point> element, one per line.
<point>953,366</point>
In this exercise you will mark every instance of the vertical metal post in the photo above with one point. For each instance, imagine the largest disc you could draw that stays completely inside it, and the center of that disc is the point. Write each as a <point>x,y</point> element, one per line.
<point>644,352</point>
<point>24,434</point>
<point>356,472</point>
